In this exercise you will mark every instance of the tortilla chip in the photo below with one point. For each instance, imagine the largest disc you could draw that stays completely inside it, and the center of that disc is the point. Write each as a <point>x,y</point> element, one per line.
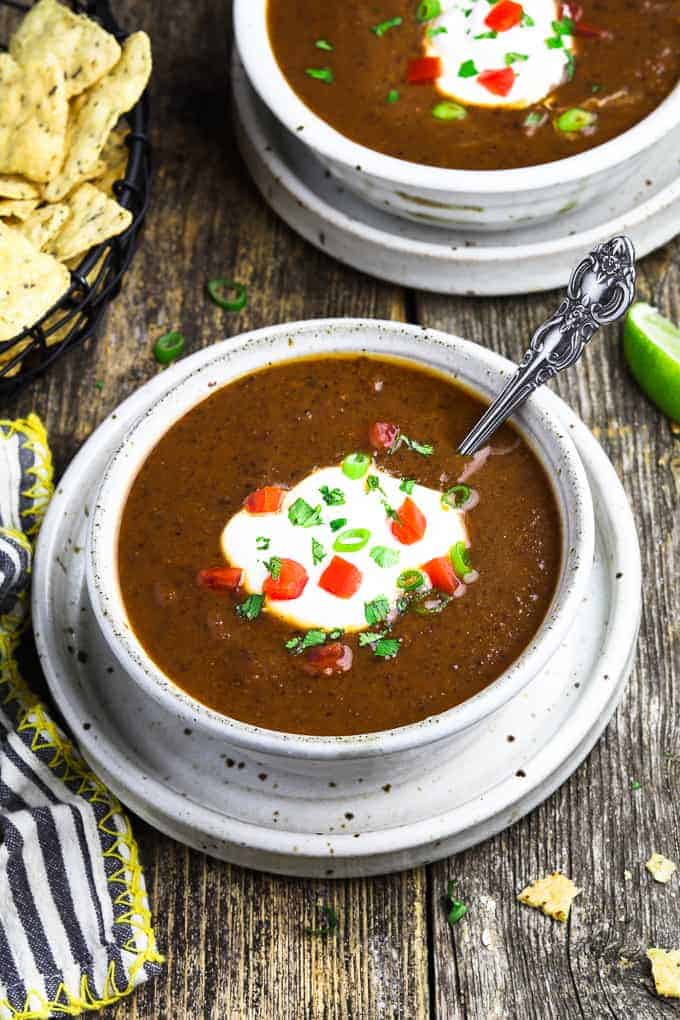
<point>115,155</point>
<point>44,224</point>
<point>84,50</point>
<point>666,971</point>
<point>12,186</point>
<point>95,112</point>
<point>33,118</point>
<point>553,895</point>
<point>19,207</point>
<point>30,283</point>
<point>660,868</point>
<point>93,218</point>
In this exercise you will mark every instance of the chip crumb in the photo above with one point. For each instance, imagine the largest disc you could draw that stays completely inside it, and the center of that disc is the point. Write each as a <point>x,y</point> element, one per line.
<point>666,971</point>
<point>661,868</point>
<point>553,895</point>
<point>627,875</point>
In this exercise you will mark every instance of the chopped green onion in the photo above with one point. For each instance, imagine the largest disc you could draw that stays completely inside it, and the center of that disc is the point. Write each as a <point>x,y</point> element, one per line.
<point>338,523</point>
<point>220,286</point>
<point>302,515</point>
<point>384,556</point>
<point>320,74</point>
<point>352,540</point>
<point>167,348</point>
<point>457,496</point>
<point>262,543</point>
<point>355,465</point>
<point>456,908</point>
<point>332,497</point>
<point>392,96</point>
<point>565,26</point>
<point>428,10</point>
<point>514,58</point>
<point>448,110</point>
<point>377,610</point>
<point>486,35</point>
<point>273,565</point>
<point>554,42</point>
<point>409,580</point>
<point>407,485</point>
<point>636,784</point>
<point>526,21</point>
<point>311,639</point>
<point>385,26</point>
<point>460,558</point>
<point>251,607</point>
<point>440,30</point>
<point>574,120</point>
<point>323,44</point>
<point>467,69</point>
<point>318,552</point>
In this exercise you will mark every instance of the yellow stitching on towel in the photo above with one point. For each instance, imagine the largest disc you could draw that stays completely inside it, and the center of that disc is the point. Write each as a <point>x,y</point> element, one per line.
<point>35,439</point>
<point>70,766</point>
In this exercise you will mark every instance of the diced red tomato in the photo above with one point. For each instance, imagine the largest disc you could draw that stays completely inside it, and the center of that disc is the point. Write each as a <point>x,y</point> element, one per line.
<point>341,578</point>
<point>265,501</point>
<point>382,435</point>
<point>504,16</point>
<point>328,659</point>
<point>423,69</point>
<point>290,583</point>
<point>442,575</point>
<point>220,578</point>
<point>498,82</point>
<point>410,524</point>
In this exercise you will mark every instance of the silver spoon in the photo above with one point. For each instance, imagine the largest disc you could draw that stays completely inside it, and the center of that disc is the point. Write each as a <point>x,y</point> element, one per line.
<point>600,291</point>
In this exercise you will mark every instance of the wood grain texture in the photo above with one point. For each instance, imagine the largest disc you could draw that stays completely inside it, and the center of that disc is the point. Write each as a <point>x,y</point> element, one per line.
<point>235,940</point>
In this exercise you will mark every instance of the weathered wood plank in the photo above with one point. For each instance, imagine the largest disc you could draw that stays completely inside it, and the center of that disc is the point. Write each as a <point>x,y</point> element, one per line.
<point>595,828</point>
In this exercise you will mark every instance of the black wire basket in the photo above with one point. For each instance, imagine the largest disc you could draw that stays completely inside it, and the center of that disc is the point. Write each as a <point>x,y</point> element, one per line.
<point>97,278</point>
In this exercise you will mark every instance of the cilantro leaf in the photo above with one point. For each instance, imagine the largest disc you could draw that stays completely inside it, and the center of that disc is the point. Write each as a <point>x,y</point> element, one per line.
<point>302,515</point>
<point>377,610</point>
<point>384,556</point>
<point>273,565</point>
<point>318,552</point>
<point>332,497</point>
<point>251,607</point>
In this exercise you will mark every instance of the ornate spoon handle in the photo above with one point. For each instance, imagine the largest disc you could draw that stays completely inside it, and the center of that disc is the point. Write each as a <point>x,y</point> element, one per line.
<point>601,290</point>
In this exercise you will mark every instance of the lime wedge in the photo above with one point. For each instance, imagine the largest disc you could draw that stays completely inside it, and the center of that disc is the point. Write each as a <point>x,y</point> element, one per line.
<point>651,345</point>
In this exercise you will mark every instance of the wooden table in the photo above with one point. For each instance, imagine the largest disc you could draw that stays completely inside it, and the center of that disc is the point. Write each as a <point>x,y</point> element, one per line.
<point>235,942</point>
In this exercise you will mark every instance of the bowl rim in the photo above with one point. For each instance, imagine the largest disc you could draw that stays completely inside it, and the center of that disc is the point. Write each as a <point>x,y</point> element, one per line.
<point>154,422</point>
<point>257,56</point>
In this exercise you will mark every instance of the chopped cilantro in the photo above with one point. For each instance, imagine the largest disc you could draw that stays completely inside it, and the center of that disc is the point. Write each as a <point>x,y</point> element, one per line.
<point>635,784</point>
<point>301,514</point>
<point>440,30</point>
<point>384,556</point>
<point>376,610</point>
<point>424,449</point>
<point>385,26</point>
<point>262,543</point>
<point>251,607</point>
<point>392,96</point>
<point>338,523</point>
<point>571,64</point>
<point>386,648</point>
<point>318,552</point>
<point>407,485</point>
<point>467,69</point>
<point>514,58</point>
<point>486,35</point>
<point>323,44</point>
<point>320,73</point>
<point>332,497</point>
<point>526,21</point>
<point>311,639</point>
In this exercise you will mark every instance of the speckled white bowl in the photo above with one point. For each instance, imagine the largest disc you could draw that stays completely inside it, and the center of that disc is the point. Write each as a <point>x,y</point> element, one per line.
<point>389,754</point>
<point>475,199</point>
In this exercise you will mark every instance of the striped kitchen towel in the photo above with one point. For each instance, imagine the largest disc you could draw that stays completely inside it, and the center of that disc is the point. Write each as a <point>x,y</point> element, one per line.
<point>75,928</point>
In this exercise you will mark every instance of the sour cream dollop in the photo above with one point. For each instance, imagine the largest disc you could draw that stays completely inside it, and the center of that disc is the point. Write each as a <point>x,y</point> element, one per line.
<point>250,540</point>
<point>531,58</point>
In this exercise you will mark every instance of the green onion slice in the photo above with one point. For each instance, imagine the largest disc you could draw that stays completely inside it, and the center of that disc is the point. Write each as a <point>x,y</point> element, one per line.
<point>409,580</point>
<point>320,73</point>
<point>355,465</point>
<point>323,44</point>
<point>447,110</point>
<point>352,540</point>
<point>460,558</point>
<point>458,496</point>
<point>575,120</point>
<point>427,10</point>
<point>385,26</point>
<point>220,287</point>
<point>168,347</point>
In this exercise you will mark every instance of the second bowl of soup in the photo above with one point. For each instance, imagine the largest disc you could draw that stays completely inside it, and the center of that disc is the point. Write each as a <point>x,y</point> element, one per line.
<point>469,112</point>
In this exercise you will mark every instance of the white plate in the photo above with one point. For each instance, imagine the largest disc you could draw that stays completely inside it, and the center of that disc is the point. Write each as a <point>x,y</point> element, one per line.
<point>432,258</point>
<point>271,822</point>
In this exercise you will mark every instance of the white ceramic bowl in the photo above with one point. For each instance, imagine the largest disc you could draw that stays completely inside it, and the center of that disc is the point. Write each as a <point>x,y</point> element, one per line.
<point>393,753</point>
<point>475,199</point>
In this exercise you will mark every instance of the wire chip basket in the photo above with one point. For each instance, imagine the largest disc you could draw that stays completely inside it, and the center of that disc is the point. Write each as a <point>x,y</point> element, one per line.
<point>97,278</point>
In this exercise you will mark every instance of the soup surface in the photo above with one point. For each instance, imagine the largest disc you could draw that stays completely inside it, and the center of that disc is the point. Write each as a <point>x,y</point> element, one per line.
<point>479,84</point>
<point>305,550</point>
